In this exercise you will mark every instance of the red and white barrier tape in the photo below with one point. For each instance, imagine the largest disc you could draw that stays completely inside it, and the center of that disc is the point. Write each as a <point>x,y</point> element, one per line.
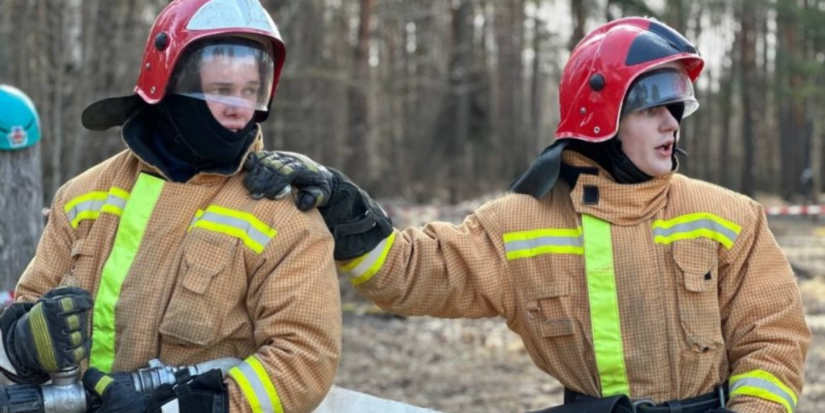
<point>796,210</point>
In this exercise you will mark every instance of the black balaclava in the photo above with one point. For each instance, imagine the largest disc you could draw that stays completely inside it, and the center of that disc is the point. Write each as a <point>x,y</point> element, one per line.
<point>191,133</point>
<point>610,156</point>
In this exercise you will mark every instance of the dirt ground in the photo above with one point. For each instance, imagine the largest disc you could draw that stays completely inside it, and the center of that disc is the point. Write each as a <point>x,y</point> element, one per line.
<point>479,366</point>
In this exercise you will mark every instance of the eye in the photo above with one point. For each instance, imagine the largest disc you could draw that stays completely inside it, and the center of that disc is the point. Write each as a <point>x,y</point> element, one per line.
<point>250,91</point>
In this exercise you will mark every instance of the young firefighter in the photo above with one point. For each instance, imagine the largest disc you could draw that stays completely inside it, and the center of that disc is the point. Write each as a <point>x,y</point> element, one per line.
<point>629,283</point>
<point>182,264</point>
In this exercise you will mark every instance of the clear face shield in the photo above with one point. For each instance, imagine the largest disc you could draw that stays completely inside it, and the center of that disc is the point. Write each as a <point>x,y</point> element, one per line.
<point>234,72</point>
<point>661,87</point>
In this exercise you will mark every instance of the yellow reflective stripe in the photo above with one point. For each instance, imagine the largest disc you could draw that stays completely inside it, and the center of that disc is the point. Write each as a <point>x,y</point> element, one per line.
<point>244,216</point>
<point>696,225</point>
<point>682,219</point>
<point>101,385</point>
<point>604,306</point>
<point>91,196</point>
<point>239,224</point>
<point>544,232</point>
<point>764,385</point>
<point>267,382</point>
<point>370,263</point>
<point>256,386</point>
<point>352,264</point>
<point>246,388</point>
<point>128,238</point>
<point>82,216</point>
<point>90,205</point>
<point>525,244</point>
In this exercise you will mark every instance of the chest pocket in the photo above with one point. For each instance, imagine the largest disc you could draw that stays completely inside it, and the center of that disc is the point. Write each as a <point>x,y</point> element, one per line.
<point>547,312</point>
<point>208,301</point>
<point>697,263</point>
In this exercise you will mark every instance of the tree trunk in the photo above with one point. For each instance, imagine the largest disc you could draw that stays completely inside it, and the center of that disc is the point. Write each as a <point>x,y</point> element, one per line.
<point>356,160</point>
<point>748,79</point>
<point>579,18</point>
<point>460,79</point>
<point>21,200</point>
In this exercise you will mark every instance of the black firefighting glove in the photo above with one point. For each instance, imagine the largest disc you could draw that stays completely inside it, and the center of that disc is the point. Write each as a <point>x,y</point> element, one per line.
<point>47,336</point>
<point>270,175</point>
<point>356,222</point>
<point>204,393</point>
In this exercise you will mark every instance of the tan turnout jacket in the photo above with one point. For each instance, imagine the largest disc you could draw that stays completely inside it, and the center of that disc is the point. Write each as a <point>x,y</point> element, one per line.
<point>660,290</point>
<point>197,271</point>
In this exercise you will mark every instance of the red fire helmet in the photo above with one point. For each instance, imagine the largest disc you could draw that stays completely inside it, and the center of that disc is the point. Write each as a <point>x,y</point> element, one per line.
<point>603,66</point>
<point>177,27</point>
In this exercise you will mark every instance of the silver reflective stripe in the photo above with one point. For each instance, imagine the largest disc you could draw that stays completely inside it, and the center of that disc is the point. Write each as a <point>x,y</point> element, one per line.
<point>708,224</point>
<point>95,205</point>
<point>218,14</point>
<point>764,385</point>
<point>240,224</point>
<point>529,244</point>
<point>371,258</point>
<point>257,386</point>
<point>115,200</point>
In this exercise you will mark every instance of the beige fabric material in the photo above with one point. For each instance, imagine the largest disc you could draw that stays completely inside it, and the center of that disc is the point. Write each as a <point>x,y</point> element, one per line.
<point>683,331</point>
<point>193,296</point>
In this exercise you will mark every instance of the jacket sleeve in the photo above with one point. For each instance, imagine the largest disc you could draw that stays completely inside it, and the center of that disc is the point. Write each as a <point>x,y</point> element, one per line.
<point>440,270</point>
<point>762,321</point>
<point>53,257</point>
<point>294,302</point>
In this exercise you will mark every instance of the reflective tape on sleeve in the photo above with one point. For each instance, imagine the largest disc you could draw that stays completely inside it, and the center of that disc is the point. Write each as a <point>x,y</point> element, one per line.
<point>256,386</point>
<point>763,385</point>
<point>365,267</point>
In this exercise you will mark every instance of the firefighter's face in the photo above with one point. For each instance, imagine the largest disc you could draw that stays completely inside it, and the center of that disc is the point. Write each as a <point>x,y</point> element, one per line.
<point>648,138</point>
<point>238,80</point>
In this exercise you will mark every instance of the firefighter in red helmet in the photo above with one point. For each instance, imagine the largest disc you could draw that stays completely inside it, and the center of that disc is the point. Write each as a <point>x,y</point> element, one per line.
<point>181,264</point>
<point>637,288</point>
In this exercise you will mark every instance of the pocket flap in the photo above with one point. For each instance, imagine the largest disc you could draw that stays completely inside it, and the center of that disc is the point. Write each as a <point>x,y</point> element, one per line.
<point>697,259</point>
<point>556,328</point>
<point>697,256</point>
<point>205,257</point>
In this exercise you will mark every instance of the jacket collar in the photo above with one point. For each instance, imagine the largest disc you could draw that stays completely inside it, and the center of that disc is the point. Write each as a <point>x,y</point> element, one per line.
<point>131,134</point>
<point>595,192</point>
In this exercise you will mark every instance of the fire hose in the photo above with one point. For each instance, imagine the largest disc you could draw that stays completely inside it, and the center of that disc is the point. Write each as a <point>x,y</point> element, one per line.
<point>66,394</point>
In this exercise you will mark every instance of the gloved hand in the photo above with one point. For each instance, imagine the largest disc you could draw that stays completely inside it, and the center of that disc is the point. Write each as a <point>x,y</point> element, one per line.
<point>117,397</point>
<point>204,393</point>
<point>47,336</point>
<point>270,175</point>
<point>356,222</point>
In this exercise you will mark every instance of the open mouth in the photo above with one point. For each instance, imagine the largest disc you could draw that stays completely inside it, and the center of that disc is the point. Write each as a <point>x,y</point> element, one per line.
<point>665,149</point>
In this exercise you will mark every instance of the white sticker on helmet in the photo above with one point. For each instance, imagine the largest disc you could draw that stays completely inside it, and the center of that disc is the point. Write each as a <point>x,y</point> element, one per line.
<point>224,14</point>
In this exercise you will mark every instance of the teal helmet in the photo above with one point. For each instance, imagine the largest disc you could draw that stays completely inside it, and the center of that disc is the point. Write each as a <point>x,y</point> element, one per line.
<point>19,123</point>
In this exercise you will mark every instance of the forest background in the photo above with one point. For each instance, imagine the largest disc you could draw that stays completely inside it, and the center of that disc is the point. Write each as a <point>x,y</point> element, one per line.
<point>447,100</point>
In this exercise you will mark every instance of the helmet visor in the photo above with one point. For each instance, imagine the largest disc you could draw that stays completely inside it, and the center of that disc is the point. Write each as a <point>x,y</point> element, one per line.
<point>661,87</point>
<point>235,72</point>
